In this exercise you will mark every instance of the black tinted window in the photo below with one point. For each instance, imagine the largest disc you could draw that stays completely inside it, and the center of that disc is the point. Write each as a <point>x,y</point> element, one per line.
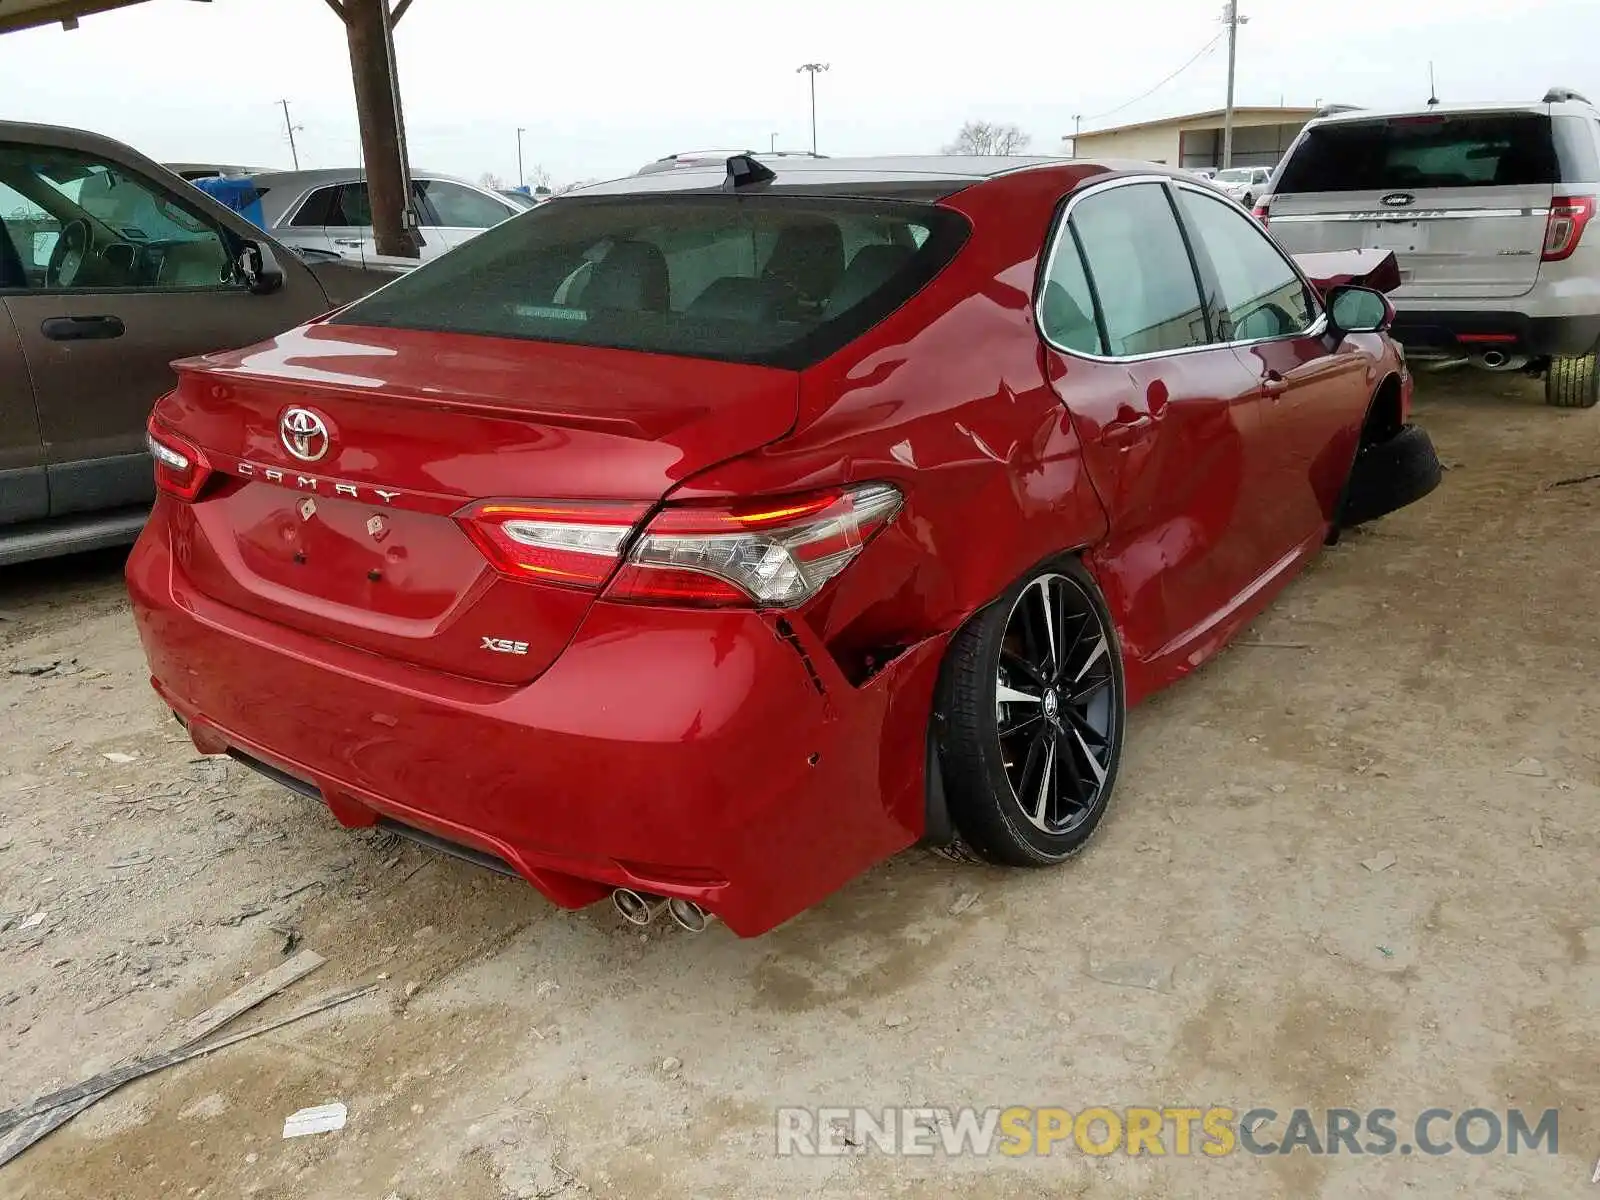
<point>775,280</point>
<point>1149,298</point>
<point>316,208</point>
<point>351,206</point>
<point>1435,151</point>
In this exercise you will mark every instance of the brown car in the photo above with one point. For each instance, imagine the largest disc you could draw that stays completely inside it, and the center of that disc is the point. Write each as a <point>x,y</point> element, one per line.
<point>111,267</point>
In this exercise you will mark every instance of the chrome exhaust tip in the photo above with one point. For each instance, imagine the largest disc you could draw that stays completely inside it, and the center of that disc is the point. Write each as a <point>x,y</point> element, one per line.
<point>1499,360</point>
<point>688,915</point>
<point>635,908</point>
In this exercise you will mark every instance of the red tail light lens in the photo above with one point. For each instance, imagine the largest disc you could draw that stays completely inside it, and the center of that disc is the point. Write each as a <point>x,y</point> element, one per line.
<point>181,470</point>
<point>570,545</point>
<point>1569,215</point>
<point>773,552</point>
<point>1262,211</point>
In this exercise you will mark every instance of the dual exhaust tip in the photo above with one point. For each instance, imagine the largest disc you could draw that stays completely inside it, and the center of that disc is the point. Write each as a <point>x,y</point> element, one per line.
<point>640,908</point>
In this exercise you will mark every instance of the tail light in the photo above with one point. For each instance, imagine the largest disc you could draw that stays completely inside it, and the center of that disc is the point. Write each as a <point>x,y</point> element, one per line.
<point>1262,210</point>
<point>1568,217</point>
<point>771,552</point>
<point>181,470</point>
<point>570,545</point>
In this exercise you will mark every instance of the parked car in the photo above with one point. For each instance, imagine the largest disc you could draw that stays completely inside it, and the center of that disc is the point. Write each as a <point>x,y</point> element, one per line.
<point>1486,207</point>
<point>715,535</point>
<point>1243,184</point>
<point>1203,172</point>
<point>110,268</point>
<point>193,171</point>
<point>329,210</point>
<point>525,200</point>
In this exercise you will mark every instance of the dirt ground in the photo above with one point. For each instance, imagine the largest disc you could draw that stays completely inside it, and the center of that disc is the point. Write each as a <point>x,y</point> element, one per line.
<point>1426,691</point>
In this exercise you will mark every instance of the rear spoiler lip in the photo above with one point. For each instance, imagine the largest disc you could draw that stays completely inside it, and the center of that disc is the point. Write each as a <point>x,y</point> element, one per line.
<point>1328,269</point>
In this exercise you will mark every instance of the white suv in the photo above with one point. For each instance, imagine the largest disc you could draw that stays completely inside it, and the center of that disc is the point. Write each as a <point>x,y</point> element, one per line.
<point>1485,207</point>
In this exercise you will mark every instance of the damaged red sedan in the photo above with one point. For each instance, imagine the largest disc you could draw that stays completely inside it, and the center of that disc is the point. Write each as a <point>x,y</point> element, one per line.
<point>711,536</point>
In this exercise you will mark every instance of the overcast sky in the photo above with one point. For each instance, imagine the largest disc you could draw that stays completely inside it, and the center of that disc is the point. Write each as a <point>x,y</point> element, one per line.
<point>605,85</point>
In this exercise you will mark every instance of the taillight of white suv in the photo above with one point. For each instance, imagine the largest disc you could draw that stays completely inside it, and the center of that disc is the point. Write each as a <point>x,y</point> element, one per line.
<point>1569,215</point>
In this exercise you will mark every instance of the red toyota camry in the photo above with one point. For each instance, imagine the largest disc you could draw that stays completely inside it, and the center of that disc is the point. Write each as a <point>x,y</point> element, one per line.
<point>712,535</point>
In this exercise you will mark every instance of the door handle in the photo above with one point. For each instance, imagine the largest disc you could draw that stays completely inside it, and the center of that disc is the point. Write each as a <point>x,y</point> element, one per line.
<point>81,329</point>
<point>1125,432</point>
<point>354,242</point>
<point>1274,385</point>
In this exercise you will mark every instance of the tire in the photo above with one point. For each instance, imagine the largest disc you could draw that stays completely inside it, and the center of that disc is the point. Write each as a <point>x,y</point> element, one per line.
<point>1389,475</point>
<point>1249,201</point>
<point>1573,382</point>
<point>991,750</point>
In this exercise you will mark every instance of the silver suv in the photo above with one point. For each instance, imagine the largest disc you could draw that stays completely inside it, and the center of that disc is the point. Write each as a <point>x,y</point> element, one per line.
<point>1485,207</point>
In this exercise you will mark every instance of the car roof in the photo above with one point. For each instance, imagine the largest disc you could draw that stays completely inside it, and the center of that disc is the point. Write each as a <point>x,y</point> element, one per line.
<point>1536,107</point>
<point>913,176</point>
<point>325,175</point>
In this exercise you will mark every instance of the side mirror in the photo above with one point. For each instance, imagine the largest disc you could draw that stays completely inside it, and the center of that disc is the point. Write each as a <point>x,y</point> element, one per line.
<point>1359,310</point>
<point>259,269</point>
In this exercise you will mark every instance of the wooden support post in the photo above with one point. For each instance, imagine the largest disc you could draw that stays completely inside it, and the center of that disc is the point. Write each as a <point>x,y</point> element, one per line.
<point>368,31</point>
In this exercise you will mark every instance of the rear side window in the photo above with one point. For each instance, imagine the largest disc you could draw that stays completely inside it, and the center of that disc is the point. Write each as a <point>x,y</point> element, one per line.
<point>1143,276</point>
<point>1576,150</point>
<point>773,280</point>
<point>1433,151</point>
<point>317,207</point>
<point>1066,304</point>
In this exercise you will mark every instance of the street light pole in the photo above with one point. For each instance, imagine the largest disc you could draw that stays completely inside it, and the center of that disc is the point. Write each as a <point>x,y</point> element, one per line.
<point>521,179</point>
<point>813,69</point>
<point>1077,124</point>
<point>1230,15</point>
<point>772,146</point>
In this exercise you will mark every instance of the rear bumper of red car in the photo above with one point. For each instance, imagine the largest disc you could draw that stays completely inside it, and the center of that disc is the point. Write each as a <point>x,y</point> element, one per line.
<point>705,754</point>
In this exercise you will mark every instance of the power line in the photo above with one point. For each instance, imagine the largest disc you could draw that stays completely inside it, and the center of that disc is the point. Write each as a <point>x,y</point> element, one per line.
<point>1201,53</point>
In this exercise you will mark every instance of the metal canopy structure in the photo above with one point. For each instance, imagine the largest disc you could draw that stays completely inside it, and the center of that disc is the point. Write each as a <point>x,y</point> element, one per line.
<point>369,30</point>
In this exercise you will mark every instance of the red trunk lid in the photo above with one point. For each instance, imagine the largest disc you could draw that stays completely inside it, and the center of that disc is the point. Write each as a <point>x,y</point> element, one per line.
<point>359,545</point>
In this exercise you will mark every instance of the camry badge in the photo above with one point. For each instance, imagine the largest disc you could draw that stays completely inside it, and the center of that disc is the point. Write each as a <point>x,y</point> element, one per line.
<point>304,434</point>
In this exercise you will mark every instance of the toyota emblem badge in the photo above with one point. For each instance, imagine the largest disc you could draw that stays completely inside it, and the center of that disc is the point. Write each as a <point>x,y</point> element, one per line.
<point>304,434</point>
<point>1399,200</point>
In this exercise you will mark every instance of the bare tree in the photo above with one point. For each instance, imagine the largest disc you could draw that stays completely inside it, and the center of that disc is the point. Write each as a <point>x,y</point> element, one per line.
<point>988,137</point>
<point>538,176</point>
<point>490,181</point>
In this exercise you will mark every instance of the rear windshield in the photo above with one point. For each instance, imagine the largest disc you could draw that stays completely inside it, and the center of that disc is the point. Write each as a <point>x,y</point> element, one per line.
<point>1440,151</point>
<point>773,280</point>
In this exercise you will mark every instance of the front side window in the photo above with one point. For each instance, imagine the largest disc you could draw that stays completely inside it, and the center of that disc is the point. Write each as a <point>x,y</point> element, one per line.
<point>1149,296</point>
<point>1262,295</point>
<point>78,223</point>
<point>458,207</point>
<point>350,206</point>
<point>769,279</point>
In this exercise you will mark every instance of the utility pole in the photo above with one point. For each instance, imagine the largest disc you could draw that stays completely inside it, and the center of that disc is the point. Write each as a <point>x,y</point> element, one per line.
<point>813,69</point>
<point>1077,124</point>
<point>521,179</point>
<point>1230,17</point>
<point>772,144</point>
<point>289,128</point>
